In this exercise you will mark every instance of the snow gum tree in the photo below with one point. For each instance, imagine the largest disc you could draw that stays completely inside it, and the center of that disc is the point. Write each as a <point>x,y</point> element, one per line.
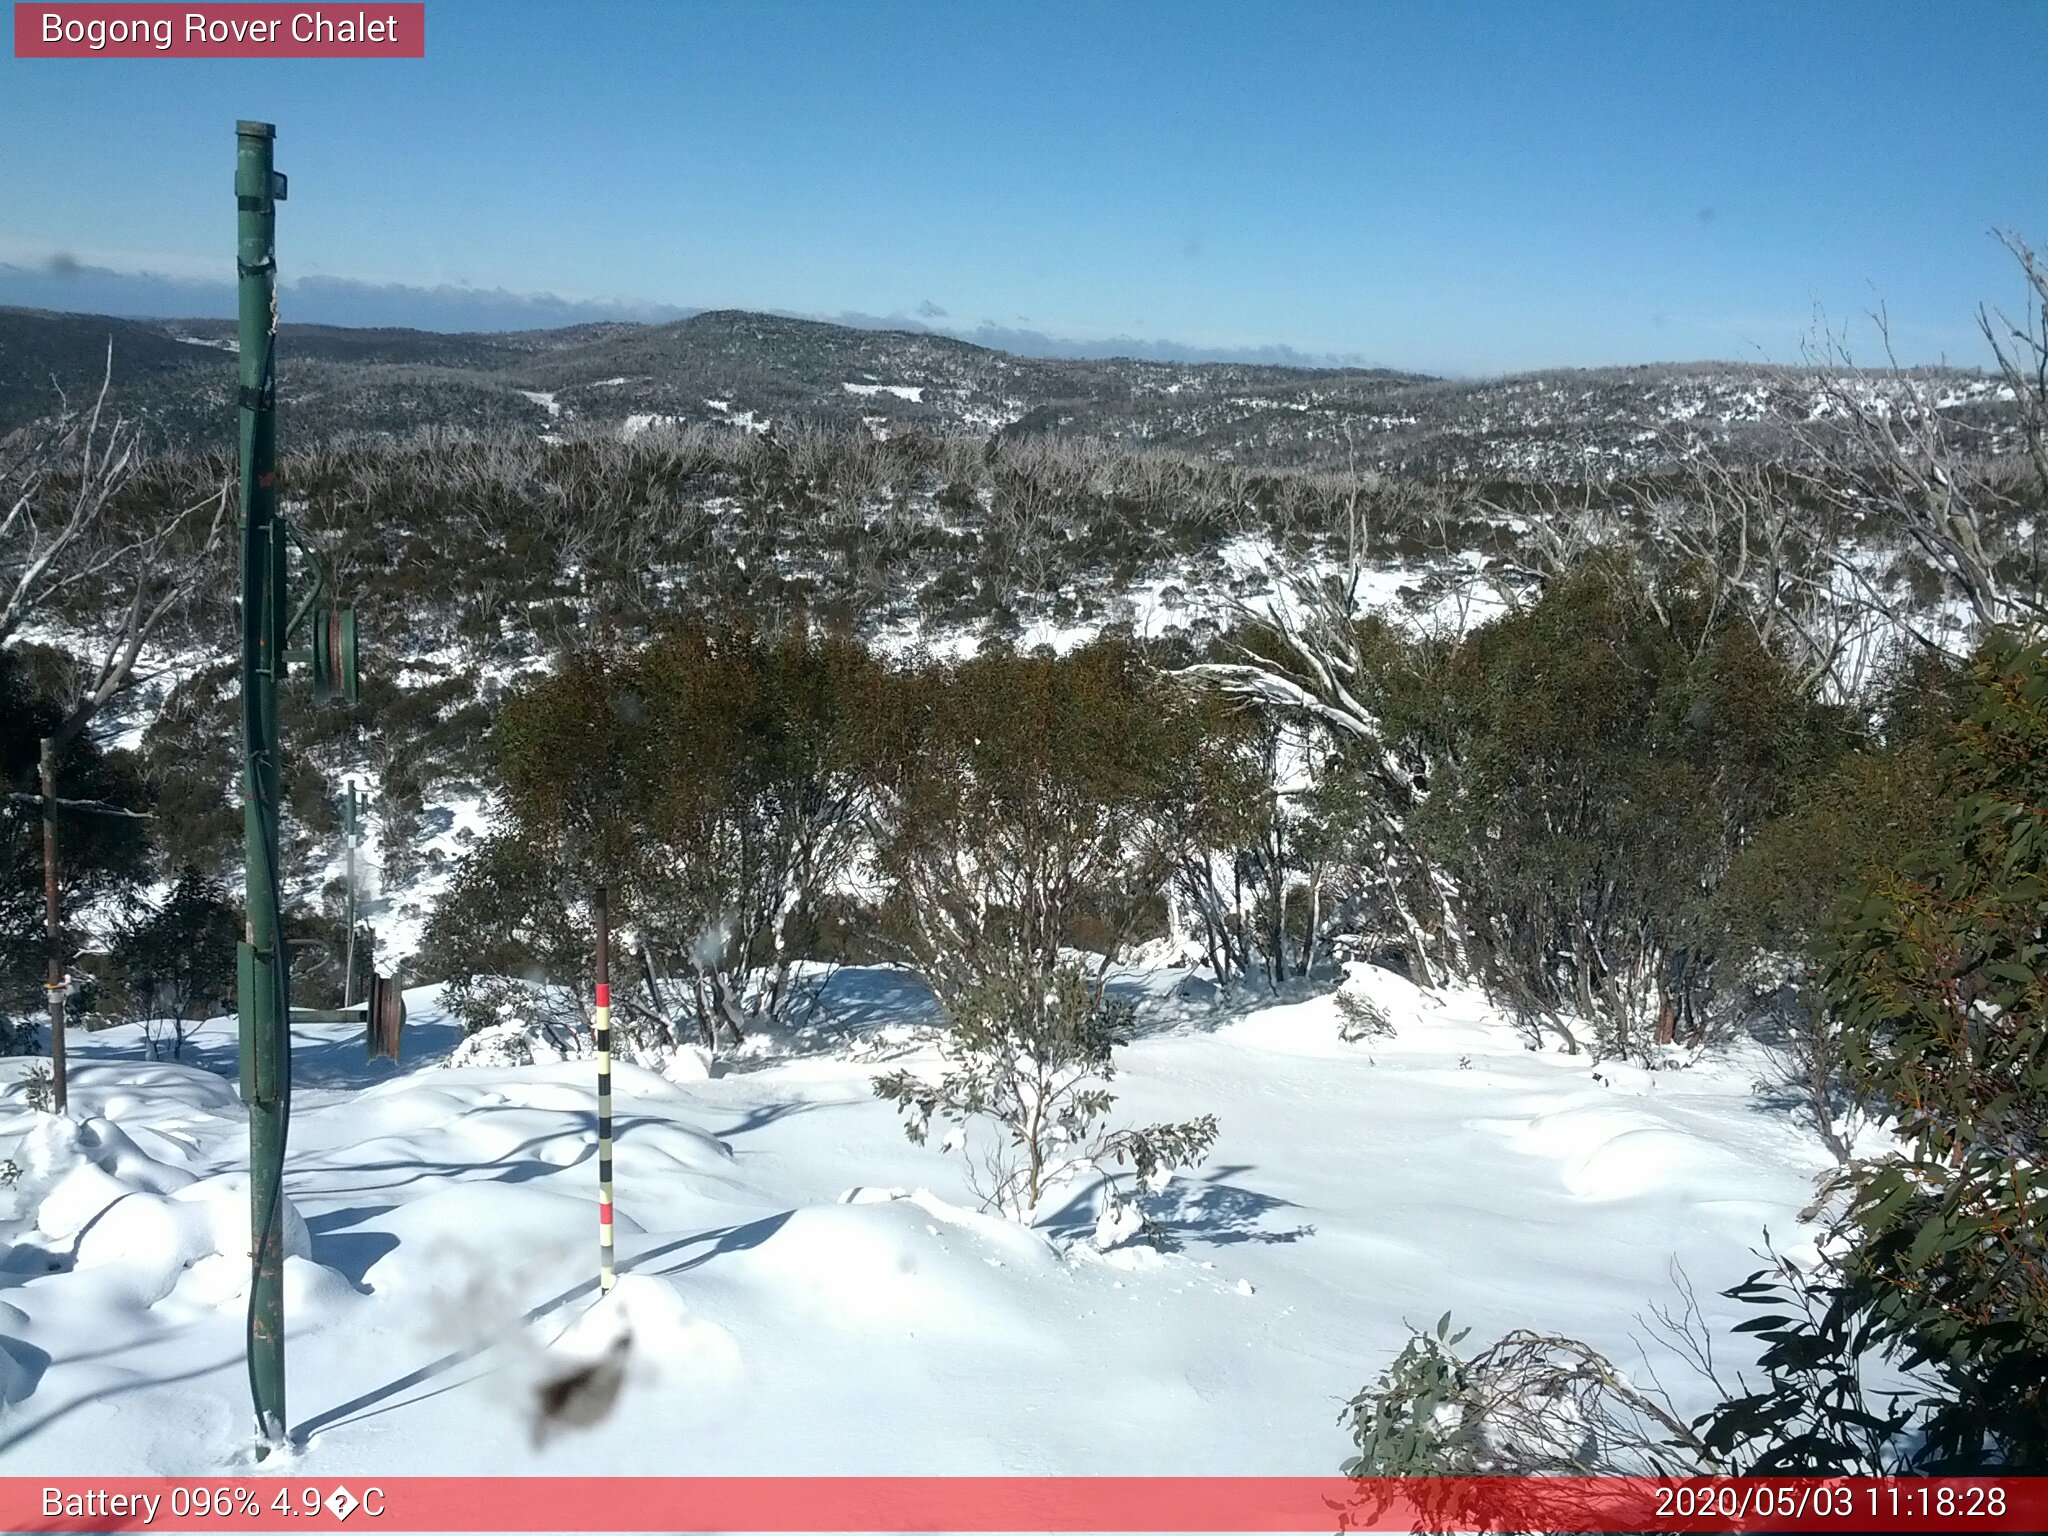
<point>1935,1274</point>
<point>1268,867</point>
<point>561,752</point>
<point>112,570</point>
<point>1219,813</point>
<point>1020,813</point>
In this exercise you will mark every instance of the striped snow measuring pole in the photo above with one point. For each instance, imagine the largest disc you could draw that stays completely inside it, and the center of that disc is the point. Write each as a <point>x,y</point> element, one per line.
<point>606,1272</point>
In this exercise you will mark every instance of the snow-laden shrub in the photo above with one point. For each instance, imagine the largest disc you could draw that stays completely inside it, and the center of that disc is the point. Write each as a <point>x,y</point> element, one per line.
<point>508,1043</point>
<point>1528,1404</point>
<point>1024,1090</point>
<point>509,1022</point>
<point>477,1002</point>
<point>1360,1017</point>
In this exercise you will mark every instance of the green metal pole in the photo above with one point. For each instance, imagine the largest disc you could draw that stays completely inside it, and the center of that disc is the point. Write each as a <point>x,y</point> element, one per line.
<point>263,996</point>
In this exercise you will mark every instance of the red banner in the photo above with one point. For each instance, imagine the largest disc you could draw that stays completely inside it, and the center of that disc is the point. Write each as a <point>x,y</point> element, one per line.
<point>1052,1504</point>
<point>151,31</point>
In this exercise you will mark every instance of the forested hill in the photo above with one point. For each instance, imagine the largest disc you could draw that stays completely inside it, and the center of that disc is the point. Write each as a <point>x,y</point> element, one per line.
<point>757,371</point>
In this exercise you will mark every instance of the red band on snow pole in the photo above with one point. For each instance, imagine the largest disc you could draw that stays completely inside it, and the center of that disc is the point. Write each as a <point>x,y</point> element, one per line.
<point>604,994</point>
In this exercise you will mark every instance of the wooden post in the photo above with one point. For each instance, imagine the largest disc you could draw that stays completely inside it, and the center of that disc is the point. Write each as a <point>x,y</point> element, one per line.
<point>54,982</point>
<point>348,964</point>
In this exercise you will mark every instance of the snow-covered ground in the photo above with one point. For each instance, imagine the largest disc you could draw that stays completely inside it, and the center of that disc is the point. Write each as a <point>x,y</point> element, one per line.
<point>914,393</point>
<point>806,1292</point>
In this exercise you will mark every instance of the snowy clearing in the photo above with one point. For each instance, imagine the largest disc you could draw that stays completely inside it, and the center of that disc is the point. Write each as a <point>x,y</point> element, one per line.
<point>911,392</point>
<point>808,1293</point>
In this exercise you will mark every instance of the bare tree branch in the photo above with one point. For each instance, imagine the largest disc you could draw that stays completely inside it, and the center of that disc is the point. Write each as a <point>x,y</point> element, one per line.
<point>67,561</point>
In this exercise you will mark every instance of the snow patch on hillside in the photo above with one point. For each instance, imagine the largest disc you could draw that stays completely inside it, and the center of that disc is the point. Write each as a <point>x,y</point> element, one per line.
<point>911,392</point>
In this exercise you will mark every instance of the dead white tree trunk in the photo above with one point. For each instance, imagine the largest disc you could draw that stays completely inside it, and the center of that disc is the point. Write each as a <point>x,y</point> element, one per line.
<point>64,557</point>
<point>1315,670</point>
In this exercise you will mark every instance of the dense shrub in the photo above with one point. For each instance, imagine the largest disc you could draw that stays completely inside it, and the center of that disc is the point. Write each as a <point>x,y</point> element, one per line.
<point>176,964</point>
<point>714,782</point>
<point>1604,757</point>
<point>1021,798</point>
<point>1940,976</point>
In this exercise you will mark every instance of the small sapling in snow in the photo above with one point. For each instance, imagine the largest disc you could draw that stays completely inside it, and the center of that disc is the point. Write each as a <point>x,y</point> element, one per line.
<point>1031,1067</point>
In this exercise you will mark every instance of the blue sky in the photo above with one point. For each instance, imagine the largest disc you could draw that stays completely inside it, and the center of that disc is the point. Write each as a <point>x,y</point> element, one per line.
<point>1452,187</point>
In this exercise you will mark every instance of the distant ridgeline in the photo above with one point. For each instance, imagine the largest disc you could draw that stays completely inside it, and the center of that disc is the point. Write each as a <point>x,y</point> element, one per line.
<point>754,372</point>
